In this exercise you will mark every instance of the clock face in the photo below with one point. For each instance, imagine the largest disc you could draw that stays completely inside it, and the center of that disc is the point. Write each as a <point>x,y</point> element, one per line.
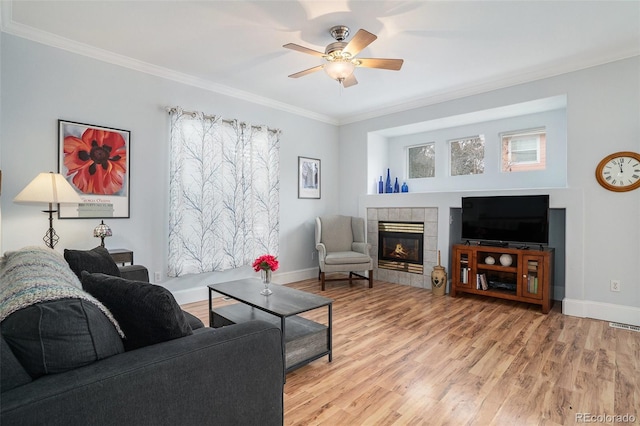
<point>619,171</point>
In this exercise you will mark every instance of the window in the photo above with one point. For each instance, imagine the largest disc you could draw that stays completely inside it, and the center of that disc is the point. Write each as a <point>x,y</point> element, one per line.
<point>523,150</point>
<point>467,156</point>
<point>422,161</point>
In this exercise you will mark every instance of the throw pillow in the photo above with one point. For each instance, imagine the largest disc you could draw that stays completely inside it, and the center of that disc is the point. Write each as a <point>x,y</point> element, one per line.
<point>60,335</point>
<point>94,260</point>
<point>147,313</point>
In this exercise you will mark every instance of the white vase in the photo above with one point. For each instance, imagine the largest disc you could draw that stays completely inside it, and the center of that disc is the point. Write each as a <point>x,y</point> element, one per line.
<point>506,260</point>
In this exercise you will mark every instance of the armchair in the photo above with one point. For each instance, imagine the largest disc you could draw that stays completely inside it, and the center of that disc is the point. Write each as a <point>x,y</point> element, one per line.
<point>341,245</point>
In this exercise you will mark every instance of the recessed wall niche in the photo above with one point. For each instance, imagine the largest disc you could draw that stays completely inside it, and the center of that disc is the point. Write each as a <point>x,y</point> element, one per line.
<point>388,148</point>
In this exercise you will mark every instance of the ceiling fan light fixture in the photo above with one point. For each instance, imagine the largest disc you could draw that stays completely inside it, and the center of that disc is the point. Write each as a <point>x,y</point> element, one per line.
<point>339,70</point>
<point>341,58</point>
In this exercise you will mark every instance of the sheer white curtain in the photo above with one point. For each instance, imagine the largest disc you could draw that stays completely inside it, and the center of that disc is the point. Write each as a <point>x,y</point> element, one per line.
<point>224,193</point>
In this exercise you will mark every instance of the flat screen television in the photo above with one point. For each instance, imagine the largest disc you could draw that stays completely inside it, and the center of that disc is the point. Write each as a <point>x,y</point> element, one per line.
<point>506,219</point>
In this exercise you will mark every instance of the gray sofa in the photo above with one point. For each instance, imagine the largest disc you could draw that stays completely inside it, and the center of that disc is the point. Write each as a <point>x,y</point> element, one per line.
<point>228,376</point>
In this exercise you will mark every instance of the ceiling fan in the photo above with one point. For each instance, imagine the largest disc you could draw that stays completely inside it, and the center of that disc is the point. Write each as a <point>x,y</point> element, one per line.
<point>341,56</point>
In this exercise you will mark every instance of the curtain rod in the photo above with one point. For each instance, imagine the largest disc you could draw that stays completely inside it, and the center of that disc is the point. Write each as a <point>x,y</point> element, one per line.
<point>172,110</point>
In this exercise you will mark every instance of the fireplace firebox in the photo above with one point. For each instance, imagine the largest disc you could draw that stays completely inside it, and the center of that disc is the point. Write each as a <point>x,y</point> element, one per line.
<point>401,246</point>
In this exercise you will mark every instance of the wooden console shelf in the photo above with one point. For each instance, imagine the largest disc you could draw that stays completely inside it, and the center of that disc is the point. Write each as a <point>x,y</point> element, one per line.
<point>528,277</point>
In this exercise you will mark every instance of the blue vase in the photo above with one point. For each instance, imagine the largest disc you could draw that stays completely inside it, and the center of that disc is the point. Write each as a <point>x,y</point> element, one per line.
<point>405,188</point>
<point>396,186</point>
<point>380,186</point>
<point>388,188</point>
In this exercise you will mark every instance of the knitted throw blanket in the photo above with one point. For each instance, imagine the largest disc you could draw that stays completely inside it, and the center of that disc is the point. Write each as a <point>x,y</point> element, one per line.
<point>39,274</point>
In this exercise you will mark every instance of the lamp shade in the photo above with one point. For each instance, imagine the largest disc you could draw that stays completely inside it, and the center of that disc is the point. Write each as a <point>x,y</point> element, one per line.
<point>102,230</point>
<point>48,188</point>
<point>339,69</point>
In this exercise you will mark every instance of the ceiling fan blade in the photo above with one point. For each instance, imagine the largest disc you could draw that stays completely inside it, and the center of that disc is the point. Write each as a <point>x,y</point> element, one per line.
<point>359,41</point>
<point>385,64</point>
<point>305,72</point>
<point>303,49</point>
<point>350,81</point>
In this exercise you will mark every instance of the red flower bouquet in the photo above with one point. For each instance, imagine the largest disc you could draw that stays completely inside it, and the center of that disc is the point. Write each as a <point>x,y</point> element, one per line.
<point>265,262</point>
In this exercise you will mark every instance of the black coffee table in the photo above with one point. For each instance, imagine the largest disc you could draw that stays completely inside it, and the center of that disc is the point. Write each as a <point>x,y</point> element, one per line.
<point>303,340</point>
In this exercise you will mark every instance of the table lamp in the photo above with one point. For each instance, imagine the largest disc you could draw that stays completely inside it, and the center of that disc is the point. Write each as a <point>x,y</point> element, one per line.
<point>102,231</point>
<point>51,188</point>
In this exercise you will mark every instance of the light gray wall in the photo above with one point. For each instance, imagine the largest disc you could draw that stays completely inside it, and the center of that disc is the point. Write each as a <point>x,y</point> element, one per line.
<point>603,227</point>
<point>41,84</point>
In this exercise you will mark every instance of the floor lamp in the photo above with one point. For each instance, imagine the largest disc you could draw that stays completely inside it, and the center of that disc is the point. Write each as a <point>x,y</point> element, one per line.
<point>51,188</point>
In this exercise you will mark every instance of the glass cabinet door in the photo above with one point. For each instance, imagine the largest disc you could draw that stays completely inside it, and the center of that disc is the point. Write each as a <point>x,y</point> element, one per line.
<point>464,262</point>
<point>532,277</point>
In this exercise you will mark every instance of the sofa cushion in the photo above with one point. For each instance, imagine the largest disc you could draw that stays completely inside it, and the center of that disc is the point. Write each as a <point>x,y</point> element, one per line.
<point>12,374</point>
<point>194,321</point>
<point>134,272</point>
<point>147,313</point>
<point>60,335</point>
<point>346,258</point>
<point>95,260</point>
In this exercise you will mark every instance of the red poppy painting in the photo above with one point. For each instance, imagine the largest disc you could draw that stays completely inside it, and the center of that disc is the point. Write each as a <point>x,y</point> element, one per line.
<point>95,161</point>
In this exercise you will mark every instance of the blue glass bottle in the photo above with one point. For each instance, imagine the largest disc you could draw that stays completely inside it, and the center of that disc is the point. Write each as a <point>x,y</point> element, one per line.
<point>388,188</point>
<point>380,186</point>
<point>396,186</point>
<point>405,188</point>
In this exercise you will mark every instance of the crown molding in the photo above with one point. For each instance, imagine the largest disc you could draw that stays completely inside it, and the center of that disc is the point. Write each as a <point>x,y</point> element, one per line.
<point>10,27</point>
<point>494,83</point>
<point>566,65</point>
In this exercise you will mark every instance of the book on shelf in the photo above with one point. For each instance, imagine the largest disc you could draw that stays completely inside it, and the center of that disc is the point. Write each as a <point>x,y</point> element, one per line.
<point>464,274</point>
<point>483,282</point>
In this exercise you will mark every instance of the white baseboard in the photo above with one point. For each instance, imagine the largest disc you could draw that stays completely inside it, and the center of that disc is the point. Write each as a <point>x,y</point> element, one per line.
<point>197,294</point>
<point>293,276</point>
<point>602,311</point>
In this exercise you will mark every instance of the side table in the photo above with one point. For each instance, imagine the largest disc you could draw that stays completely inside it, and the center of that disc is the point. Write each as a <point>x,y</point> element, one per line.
<point>121,256</point>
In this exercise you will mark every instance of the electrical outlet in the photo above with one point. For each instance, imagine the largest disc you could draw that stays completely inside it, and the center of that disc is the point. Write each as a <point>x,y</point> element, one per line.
<point>615,285</point>
<point>157,276</point>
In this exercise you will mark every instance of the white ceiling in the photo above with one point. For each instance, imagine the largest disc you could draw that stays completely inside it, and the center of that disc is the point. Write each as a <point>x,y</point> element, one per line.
<point>451,48</point>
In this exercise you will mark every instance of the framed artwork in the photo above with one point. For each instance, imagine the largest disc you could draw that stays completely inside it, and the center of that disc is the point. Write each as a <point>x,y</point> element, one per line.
<point>95,161</point>
<point>308,177</point>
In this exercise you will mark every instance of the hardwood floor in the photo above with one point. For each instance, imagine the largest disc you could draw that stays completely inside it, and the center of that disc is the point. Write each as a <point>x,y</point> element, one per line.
<point>402,356</point>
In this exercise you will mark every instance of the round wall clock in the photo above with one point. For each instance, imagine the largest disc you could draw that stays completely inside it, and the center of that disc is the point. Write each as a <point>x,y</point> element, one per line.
<point>619,171</point>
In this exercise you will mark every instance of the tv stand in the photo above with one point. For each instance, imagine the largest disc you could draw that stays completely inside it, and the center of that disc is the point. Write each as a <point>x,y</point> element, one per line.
<point>494,243</point>
<point>524,275</point>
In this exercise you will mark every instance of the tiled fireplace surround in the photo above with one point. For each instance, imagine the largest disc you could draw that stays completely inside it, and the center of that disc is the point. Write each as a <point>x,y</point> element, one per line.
<point>405,214</point>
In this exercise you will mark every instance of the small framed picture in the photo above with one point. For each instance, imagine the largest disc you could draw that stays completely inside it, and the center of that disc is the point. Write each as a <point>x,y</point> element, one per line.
<point>308,177</point>
<point>95,161</point>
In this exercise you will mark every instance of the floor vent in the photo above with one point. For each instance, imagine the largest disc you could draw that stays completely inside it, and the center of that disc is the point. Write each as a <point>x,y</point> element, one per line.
<point>624,326</point>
